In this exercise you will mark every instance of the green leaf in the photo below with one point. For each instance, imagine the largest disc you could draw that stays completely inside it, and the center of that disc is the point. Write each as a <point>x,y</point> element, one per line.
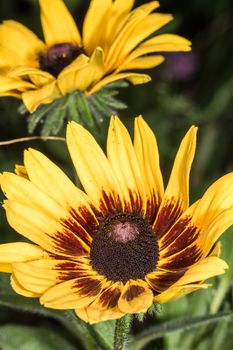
<point>35,118</point>
<point>106,332</point>
<point>77,327</point>
<point>118,84</point>
<point>22,109</point>
<point>55,118</point>
<point>107,92</point>
<point>61,116</point>
<point>84,110</point>
<point>179,325</point>
<point>101,108</point>
<point>219,335</point>
<point>73,111</point>
<point>88,110</point>
<point>111,102</point>
<point>14,337</point>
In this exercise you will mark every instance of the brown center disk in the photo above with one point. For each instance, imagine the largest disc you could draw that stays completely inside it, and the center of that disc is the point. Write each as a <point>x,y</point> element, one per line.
<point>124,248</point>
<point>58,56</point>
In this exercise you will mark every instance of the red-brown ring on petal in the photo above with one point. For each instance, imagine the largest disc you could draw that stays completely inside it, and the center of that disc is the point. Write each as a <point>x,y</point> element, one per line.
<point>124,248</point>
<point>109,297</point>
<point>82,223</point>
<point>77,230</point>
<point>67,243</point>
<point>188,236</point>
<point>110,204</point>
<point>175,231</point>
<point>133,292</point>
<point>167,215</point>
<point>183,259</point>
<point>88,286</point>
<point>134,205</point>
<point>152,207</point>
<point>164,280</point>
<point>58,56</point>
<point>85,218</point>
<point>70,270</point>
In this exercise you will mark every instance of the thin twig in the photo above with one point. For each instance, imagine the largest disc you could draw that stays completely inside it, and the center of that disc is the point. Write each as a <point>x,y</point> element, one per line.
<point>31,138</point>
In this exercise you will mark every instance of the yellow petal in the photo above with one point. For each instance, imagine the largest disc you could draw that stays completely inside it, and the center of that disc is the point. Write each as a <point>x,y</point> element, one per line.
<point>17,252</point>
<point>116,17</point>
<point>136,297</point>
<point>214,212</point>
<point>178,184</point>
<point>12,94</point>
<point>147,154</point>
<point>20,170</point>
<point>81,77</point>
<point>19,289</point>
<point>176,197</point>
<point>20,40</point>
<point>12,252</point>
<point>67,79</point>
<point>142,63</point>
<point>211,266</point>
<point>57,23</point>
<point>9,58</point>
<point>217,250</point>
<point>206,268</point>
<point>93,23</point>
<point>142,30</point>
<point>167,42</point>
<point>91,164</point>
<point>5,267</point>
<point>38,275</point>
<point>177,292</point>
<point>104,307</point>
<point>134,78</point>
<point>160,43</point>
<point>76,293</point>
<point>121,155</point>
<point>36,76</point>
<point>7,84</point>
<point>46,94</point>
<point>35,276</point>
<point>122,43</point>
<point>93,315</point>
<point>23,191</point>
<point>52,180</point>
<point>50,234</point>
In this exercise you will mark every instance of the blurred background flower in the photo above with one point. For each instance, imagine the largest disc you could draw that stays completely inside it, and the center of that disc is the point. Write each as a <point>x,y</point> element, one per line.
<point>199,91</point>
<point>113,44</point>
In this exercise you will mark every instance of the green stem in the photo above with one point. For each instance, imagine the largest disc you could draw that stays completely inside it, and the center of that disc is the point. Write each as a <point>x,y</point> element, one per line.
<point>122,329</point>
<point>178,325</point>
<point>78,328</point>
<point>219,296</point>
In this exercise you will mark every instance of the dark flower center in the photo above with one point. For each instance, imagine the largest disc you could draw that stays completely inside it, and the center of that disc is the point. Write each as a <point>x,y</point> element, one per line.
<point>124,248</point>
<point>58,56</point>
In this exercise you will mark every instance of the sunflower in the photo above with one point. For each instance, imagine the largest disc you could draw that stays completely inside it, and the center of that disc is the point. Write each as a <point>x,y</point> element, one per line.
<point>113,43</point>
<point>122,244</point>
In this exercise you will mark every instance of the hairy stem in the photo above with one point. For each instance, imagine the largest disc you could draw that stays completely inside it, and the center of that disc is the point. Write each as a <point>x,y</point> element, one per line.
<point>121,332</point>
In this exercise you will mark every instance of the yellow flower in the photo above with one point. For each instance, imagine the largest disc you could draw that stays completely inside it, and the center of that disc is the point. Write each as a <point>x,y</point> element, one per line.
<point>112,45</point>
<point>122,244</point>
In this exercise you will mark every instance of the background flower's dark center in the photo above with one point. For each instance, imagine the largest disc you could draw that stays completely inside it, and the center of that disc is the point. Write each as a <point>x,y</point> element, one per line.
<point>58,56</point>
<point>124,248</point>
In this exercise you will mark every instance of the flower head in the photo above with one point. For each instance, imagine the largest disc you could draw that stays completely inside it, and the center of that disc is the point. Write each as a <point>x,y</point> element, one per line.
<point>122,243</point>
<point>113,44</point>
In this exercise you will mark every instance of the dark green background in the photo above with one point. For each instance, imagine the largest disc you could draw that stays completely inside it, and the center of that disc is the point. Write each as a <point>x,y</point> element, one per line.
<point>189,88</point>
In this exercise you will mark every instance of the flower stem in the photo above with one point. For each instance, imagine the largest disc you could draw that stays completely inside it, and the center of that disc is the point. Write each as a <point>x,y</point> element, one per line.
<point>122,329</point>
